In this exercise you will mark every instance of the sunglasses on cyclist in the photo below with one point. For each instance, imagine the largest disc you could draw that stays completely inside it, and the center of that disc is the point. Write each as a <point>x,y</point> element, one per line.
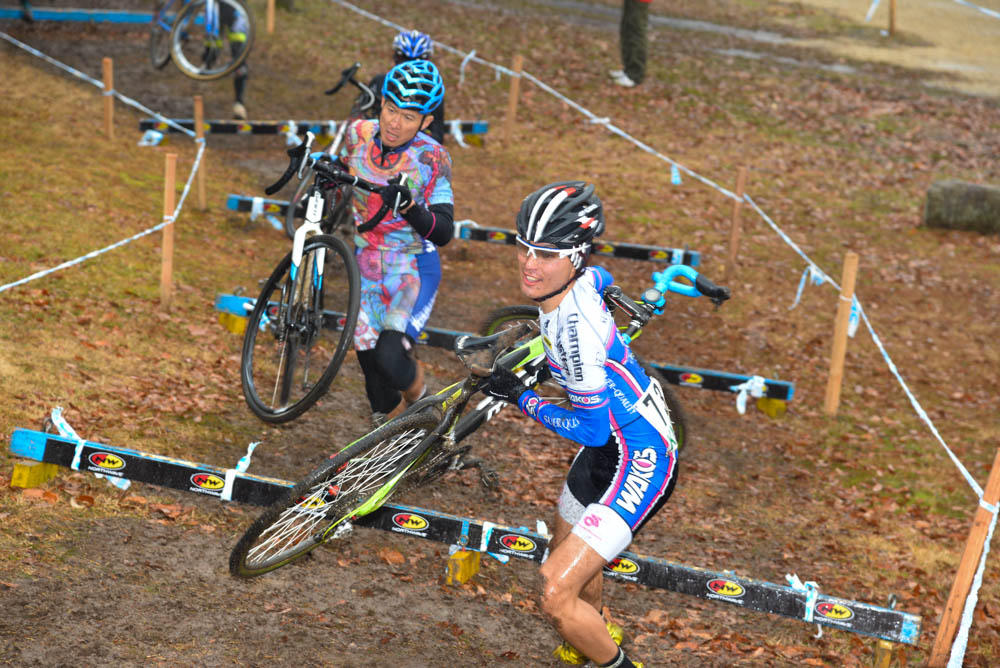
<point>528,249</point>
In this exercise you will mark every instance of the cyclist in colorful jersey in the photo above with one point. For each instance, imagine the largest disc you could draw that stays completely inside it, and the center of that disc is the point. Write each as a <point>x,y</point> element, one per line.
<point>398,259</point>
<point>409,45</point>
<point>626,467</point>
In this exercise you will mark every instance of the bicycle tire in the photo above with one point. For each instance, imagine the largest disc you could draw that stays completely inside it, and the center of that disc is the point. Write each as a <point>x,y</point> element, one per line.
<point>511,315</point>
<point>287,339</point>
<point>356,481</point>
<point>159,37</point>
<point>192,55</point>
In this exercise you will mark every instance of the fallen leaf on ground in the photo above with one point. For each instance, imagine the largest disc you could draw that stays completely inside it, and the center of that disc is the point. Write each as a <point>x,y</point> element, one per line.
<point>391,556</point>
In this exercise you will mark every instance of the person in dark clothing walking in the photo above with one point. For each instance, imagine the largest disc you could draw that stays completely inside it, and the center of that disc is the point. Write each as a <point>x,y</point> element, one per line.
<point>632,39</point>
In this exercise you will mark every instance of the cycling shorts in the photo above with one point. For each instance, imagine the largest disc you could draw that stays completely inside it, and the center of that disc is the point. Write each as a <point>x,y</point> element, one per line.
<point>611,492</point>
<point>397,292</point>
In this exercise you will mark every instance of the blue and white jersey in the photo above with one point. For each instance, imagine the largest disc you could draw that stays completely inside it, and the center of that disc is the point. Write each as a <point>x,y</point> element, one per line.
<point>609,391</point>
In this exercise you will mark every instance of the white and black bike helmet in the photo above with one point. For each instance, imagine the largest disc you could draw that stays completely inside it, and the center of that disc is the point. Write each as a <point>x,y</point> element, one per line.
<point>567,215</point>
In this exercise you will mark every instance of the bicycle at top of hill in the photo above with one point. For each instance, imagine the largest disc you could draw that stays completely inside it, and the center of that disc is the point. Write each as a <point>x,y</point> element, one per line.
<point>303,321</point>
<point>206,39</point>
<point>339,204</point>
<point>425,441</point>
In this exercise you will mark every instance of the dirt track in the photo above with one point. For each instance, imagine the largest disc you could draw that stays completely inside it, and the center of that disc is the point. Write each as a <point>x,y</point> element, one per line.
<point>154,589</point>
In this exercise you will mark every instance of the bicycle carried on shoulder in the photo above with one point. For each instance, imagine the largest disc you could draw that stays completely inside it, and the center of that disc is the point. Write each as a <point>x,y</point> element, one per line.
<point>206,39</point>
<point>425,441</point>
<point>340,203</point>
<point>303,321</point>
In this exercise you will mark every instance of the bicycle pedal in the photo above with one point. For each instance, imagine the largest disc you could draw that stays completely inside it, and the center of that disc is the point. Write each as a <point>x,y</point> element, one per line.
<point>490,479</point>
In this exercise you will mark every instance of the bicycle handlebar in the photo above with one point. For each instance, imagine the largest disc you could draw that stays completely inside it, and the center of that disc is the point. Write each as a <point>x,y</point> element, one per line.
<point>653,299</point>
<point>348,76</point>
<point>326,169</point>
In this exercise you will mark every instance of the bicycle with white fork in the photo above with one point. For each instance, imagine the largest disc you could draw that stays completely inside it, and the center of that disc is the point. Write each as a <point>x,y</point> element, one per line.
<point>302,324</point>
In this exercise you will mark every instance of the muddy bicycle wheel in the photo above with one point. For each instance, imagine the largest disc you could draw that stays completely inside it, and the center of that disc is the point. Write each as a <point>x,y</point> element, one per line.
<point>210,46</point>
<point>159,36</point>
<point>354,482</point>
<point>300,330</point>
<point>509,316</point>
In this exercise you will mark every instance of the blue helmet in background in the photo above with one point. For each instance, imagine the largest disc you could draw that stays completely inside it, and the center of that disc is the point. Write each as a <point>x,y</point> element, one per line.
<point>412,45</point>
<point>415,84</point>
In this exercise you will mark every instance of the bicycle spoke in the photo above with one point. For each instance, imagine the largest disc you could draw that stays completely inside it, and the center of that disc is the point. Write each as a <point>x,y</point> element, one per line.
<point>332,499</point>
<point>292,350</point>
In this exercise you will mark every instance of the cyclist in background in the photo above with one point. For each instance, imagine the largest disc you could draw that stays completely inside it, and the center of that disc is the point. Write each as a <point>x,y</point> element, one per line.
<point>626,467</point>
<point>236,34</point>
<point>398,259</point>
<point>410,45</point>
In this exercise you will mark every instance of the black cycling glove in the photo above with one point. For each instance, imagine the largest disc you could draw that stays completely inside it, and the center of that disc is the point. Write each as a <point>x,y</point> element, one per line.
<point>396,196</point>
<point>504,385</point>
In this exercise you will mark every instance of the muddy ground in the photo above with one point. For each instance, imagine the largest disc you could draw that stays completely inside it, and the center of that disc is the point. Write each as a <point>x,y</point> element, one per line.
<point>149,585</point>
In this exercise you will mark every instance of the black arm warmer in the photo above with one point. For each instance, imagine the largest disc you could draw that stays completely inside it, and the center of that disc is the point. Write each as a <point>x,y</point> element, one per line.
<point>436,223</point>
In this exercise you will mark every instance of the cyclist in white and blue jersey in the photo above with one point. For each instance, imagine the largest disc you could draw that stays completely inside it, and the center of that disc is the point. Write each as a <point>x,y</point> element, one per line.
<point>626,467</point>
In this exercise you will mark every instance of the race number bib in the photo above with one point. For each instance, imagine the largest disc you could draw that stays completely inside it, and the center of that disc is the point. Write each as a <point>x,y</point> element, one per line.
<point>653,407</point>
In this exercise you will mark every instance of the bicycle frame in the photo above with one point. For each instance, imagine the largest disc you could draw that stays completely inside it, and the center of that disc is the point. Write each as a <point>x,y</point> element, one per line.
<point>212,21</point>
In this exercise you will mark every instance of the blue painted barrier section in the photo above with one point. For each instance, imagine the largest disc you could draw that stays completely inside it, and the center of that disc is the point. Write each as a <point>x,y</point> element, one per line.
<point>78,15</point>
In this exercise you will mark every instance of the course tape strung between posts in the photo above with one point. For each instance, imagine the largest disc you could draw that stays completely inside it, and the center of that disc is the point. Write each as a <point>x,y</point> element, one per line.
<point>467,57</point>
<point>166,219</point>
<point>80,75</point>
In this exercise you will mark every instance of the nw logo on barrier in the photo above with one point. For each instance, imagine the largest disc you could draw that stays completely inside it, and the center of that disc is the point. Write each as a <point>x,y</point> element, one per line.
<point>725,588</point>
<point>519,543</point>
<point>834,611</point>
<point>409,521</point>
<point>107,460</point>
<point>207,481</point>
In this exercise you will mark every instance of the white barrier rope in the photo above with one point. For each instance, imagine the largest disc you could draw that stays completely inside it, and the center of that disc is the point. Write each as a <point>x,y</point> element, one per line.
<point>77,73</point>
<point>471,57</point>
<point>988,12</point>
<point>166,219</point>
<point>962,637</point>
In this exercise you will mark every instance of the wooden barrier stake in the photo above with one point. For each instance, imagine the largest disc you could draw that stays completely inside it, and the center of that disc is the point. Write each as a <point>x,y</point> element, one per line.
<point>167,267</point>
<point>270,17</point>
<point>892,18</point>
<point>108,69</point>
<point>199,133</point>
<point>840,334</point>
<point>515,87</point>
<point>734,228</point>
<point>952,614</point>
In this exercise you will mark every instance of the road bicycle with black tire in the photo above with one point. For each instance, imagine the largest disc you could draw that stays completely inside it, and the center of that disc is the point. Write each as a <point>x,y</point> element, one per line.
<point>425,441</point>
<point>301,325</point>
<point>205,39</point>
<point>340,202</point>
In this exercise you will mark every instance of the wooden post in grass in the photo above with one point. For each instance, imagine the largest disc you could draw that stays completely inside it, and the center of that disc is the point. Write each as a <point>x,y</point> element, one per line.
<point>892,18</point>
<point>167,266</point>
<point>515,87</point>
<point>108,69</point>
<point>952,614</point>
<point>734,227</point>
<point>840,334</point>
<point>270,17</point>
<point>199,133</point>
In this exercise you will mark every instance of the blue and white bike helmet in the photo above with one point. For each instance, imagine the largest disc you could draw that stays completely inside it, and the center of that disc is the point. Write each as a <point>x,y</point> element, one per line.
<point>415,84</point>
<point>412,45</point>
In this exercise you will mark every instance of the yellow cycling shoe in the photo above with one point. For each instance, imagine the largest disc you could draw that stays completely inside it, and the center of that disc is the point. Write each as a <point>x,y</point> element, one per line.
<point>571,655</point>
<point>616,632</point>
